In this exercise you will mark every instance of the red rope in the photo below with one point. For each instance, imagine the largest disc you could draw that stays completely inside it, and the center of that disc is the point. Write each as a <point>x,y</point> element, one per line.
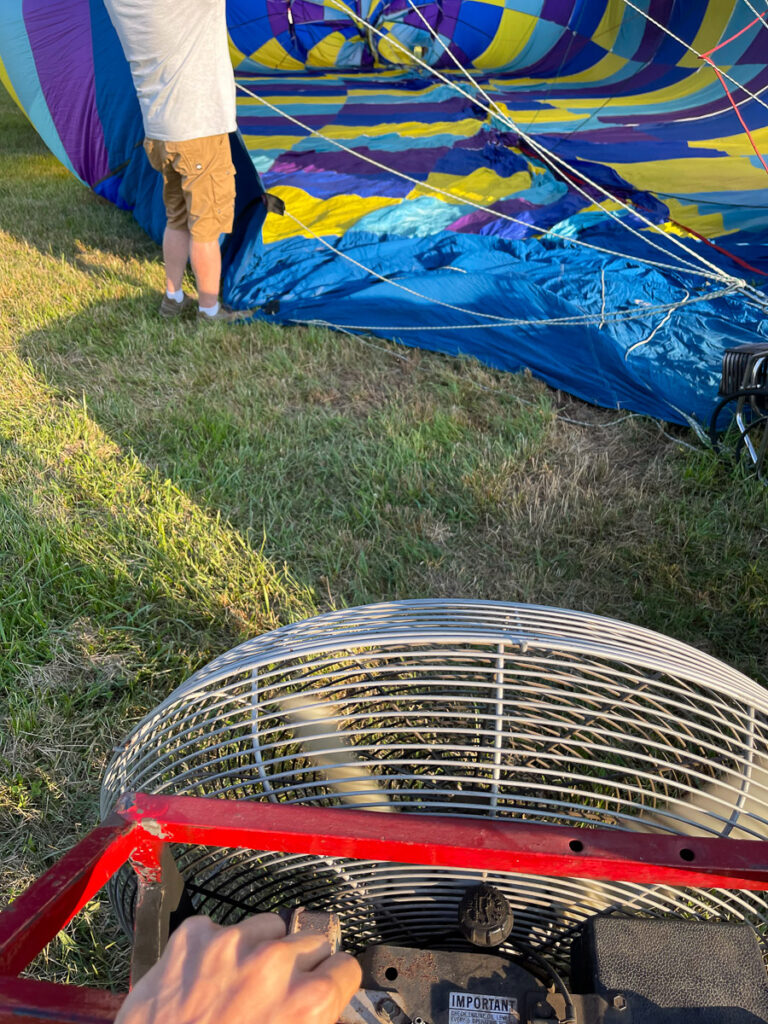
<point>734,36</point>
<point>708,58</point>
<point>738,113</point>
<point>577,179</point>
<point>720,248</point>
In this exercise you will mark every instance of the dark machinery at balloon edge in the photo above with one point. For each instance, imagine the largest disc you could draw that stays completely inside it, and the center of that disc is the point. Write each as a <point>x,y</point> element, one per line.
<point>743,393</point>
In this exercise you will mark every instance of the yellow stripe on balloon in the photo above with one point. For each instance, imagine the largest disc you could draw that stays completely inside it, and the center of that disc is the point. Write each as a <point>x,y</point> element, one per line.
<point>409,129</point>
<point>737,145</point>
<point>325,217</point>
<point>688,216</point>
<point>258,143</point>
<point>609,65</point>
<point>391,49</point>
<point>325,53</point>
<point>481,186</point>
<point>273,55</point>
<point>689,86</point>
<point>693,174</point>
<point>511,37</point>
<point>711,31</point>
<point>286,100</point>
<point>607,31</point>
<point>526,117</point>
<point>5,78</point>
<point>235,55</point>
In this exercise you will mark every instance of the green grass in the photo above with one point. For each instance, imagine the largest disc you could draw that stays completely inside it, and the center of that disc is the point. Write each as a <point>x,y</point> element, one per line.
<point>167,491</point>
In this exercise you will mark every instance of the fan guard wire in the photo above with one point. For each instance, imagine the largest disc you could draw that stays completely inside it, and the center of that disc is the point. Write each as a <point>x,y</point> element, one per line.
<point>472,708</point>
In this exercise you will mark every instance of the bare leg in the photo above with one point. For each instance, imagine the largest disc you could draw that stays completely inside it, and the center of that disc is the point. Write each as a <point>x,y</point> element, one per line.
<point>206,263</point>
<point>175,253</point>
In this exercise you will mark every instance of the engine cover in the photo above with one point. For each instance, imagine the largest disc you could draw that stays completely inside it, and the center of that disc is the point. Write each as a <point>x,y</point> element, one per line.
<point>402,985</point>
<point>673,971</point>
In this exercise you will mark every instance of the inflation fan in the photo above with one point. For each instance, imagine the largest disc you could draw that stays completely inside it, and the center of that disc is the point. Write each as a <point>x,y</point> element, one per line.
<point>569,813</point>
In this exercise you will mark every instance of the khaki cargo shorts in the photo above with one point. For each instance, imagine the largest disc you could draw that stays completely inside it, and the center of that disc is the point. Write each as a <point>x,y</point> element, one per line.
<point>199,184</point>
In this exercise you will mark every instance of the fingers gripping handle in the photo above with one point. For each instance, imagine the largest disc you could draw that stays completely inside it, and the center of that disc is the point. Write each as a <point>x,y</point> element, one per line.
<point>316,922</point>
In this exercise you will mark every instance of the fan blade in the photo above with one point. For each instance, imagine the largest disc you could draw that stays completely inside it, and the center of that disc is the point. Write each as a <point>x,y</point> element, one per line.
<point>342,767</point>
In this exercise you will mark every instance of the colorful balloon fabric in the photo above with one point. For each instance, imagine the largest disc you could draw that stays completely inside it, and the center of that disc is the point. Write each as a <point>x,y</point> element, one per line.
<point>562,185</point>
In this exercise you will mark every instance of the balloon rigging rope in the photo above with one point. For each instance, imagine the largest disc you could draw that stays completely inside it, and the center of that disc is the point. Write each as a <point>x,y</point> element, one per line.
<point>493,109</point>
<point>426,186</point>
<point>677,120</point>
<point>615,316</point>
<point>551,158</point>
<point>548,156</point>
<point>545,155</point>
<point>754,10</point>
<point>502,320</point>
<point>718,71</point>
<point>693,49</point>
<point>478,206</point>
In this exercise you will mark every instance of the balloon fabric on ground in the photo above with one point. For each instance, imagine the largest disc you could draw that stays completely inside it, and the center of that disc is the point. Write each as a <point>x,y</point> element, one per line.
<point>562,185</point>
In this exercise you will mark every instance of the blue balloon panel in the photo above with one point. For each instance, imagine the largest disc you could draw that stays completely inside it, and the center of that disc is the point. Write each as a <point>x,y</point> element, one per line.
<point>562,185</point>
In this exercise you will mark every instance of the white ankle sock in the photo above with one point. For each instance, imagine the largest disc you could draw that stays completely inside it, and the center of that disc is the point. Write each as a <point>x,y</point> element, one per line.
<point>176,296</point>
<point>210,310</point>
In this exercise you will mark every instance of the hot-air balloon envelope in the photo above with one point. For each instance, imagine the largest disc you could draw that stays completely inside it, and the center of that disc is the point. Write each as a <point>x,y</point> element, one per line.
<point>575,186</point>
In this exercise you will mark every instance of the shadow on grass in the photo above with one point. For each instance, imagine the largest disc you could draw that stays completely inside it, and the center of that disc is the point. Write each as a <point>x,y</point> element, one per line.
<point>109,555</point>
<point>378,478</point>
<point>114,587</point>
<point>356,467</point>
<point>42,205</point>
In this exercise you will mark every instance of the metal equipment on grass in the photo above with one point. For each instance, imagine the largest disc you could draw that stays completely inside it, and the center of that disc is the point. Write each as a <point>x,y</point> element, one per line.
<point>569,822</point>
<point>744,393</point>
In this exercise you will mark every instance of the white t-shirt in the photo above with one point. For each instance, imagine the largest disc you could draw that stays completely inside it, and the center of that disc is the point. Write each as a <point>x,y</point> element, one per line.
<point>179,56</point>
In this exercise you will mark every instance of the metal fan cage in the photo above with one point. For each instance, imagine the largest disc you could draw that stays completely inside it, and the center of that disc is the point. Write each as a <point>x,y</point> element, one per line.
<point>461,708</point>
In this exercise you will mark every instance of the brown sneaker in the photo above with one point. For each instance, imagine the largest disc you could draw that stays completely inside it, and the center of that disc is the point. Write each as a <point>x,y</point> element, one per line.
<point>225,315</point>
<point>170,307</point>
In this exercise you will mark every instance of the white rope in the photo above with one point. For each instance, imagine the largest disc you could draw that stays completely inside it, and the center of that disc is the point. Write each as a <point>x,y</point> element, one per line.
<point>542,151</point>
<point>586,318</point>
<point>493,108</point>
<point>718,274</point>
<point>502,320</point>
<point>618,316</point>
<point>693,49</point>
<point>655,330</point>
<point>716,113</point>
<point>548,157</point>
<point>675,120</point>
<point>585,321</point>
<point>727,108</point>
<point>756,297</point>
<point>478,206</point>
<point>756,12</point>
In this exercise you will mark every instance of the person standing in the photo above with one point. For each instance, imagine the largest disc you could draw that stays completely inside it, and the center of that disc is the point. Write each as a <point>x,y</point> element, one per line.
<point>181,69</point>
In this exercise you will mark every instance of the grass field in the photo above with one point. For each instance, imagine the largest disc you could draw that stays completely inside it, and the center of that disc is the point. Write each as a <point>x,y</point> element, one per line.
<point>168,490</point>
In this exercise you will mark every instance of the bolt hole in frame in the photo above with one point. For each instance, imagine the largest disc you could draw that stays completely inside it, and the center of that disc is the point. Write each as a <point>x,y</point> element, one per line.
<point>143,826</point>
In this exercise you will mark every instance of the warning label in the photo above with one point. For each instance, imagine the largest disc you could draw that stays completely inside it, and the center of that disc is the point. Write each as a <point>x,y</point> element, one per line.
<point>465,1008</point>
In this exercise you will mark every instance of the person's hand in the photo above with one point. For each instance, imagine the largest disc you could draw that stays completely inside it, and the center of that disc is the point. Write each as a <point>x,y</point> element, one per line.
<point>247,972</point>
